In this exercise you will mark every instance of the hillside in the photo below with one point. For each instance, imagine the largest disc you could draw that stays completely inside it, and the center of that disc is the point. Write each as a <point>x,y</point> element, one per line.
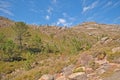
<point>88,51</point>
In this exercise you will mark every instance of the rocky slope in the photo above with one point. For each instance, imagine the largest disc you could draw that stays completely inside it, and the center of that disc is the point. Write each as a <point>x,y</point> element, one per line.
<point>88,51</point>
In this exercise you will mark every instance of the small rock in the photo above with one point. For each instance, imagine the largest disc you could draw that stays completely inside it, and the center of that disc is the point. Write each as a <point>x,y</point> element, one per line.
<point>78,76</point>
<point>47,77</point>
<point>62,78</point>
<point>89,70</point>
<point>56,76</point>
<point>116,49</point>
<point>68,70</point>
<point>104,38</point>
<point>101,62</point>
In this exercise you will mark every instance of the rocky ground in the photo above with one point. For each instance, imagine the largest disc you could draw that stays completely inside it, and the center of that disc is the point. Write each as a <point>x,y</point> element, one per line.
<point>104,70</point>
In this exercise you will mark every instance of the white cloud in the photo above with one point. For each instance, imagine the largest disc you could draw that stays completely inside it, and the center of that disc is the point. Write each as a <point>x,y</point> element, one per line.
<point>47,17</point>
<point>5,8</point>
<point>87,8</point>
<point>63,22</point>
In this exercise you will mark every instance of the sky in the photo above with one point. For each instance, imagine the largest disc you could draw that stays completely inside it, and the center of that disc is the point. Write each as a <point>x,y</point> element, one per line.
<point>61,12</point>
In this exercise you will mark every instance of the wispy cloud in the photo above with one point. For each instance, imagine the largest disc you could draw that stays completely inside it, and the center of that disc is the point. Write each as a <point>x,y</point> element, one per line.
<point>111,4</point>
<point>5,8</point>
<point>116,4</point>
<point>49,10</point>
<point>108,4</point>
<point>83,2</point>
<point>87,8</point>
<point>6,11</point>
<point>65,15</point>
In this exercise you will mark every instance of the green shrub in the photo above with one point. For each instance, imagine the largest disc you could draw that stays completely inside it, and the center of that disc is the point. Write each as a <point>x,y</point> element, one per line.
<point>51,48</point>
<point>27,65</point>
<point>88,46</point>
<point>113,56</point>
<point>77,44</point>
<point>9,50</point>
<point>79,69</point>
<point>30,58</point>
<point>94,65</point>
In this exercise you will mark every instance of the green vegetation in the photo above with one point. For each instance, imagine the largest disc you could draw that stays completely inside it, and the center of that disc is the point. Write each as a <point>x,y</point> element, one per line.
<point>34,51</point>
<point>21,32</point>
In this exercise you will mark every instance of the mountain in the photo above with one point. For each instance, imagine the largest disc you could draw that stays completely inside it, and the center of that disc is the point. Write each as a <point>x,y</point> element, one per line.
<point>85,51</point>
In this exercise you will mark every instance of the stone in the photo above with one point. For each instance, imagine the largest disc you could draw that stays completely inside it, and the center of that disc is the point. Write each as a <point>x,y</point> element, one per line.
<point>85,59</point>
<point>57,75</point>
<point>117,60</point>
<point>78,76</point>
<point>101,62</point>
<point>114,76</point>
<point>62,78</point>
<point>68,70</point>
<point>104,38</point>
<point>116,49</point>
<point>103,68</point>
<point>47,77</point>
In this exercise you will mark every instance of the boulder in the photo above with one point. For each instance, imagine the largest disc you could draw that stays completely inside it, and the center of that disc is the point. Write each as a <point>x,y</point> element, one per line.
<point>68,70</point>
<point>47,77</point>
<point>78,76</point>
<point>85,59</point>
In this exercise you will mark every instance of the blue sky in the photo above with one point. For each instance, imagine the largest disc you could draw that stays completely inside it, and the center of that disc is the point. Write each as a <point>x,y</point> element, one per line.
<point>61,12</point>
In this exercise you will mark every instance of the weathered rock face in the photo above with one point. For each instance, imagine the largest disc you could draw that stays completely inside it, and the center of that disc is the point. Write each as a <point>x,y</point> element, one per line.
<point>116,49</point>
<point>78,76</point>
<point>47,77</point>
